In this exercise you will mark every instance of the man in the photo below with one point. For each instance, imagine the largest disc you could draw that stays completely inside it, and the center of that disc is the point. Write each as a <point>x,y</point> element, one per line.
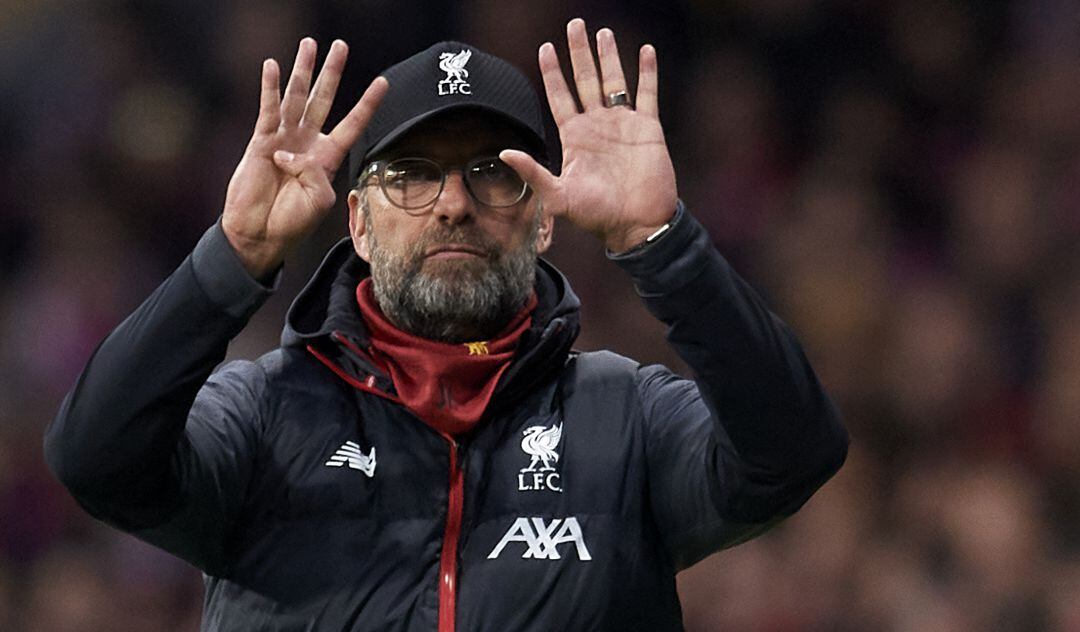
<point>425,451</point>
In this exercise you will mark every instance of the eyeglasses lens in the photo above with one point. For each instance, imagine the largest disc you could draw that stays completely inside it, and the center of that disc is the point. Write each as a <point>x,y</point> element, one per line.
<point>494,183</point>
<point>413,183</point>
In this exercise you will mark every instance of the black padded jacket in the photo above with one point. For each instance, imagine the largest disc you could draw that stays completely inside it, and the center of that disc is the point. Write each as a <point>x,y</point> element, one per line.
<point>313,500</point>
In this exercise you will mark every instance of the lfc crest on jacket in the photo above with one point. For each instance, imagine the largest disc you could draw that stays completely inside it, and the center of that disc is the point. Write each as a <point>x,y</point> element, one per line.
<point>540,444</point>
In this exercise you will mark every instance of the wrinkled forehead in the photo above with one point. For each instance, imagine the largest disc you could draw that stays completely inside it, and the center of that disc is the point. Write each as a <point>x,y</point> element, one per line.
<point>456,135</point>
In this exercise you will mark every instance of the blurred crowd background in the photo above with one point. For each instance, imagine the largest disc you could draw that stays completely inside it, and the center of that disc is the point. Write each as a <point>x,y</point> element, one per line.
<point>900,178</point>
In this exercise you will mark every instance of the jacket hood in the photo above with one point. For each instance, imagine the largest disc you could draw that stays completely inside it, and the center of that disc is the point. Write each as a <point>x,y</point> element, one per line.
<point>325,311</point>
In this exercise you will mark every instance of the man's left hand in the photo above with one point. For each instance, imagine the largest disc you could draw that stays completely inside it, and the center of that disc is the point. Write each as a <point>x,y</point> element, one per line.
<point>617,179</point>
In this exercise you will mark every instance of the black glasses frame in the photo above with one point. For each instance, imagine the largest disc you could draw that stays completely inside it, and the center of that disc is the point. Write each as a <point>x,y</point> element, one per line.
<point>378,169</point>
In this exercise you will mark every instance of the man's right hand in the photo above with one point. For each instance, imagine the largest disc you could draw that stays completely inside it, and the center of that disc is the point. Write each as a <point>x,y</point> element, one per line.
<point>281,189</point>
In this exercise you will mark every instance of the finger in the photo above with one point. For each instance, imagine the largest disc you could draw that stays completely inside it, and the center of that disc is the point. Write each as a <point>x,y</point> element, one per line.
<point>539,179</point>
<point>559,98</point>
<point>585,75</point>
<point>296,93</point>
<point>611,70</point>
<point>646,86</point>
<point>348,130</point>
<point>269,99</point>
<point>311,175</point>
<point>326,85</point>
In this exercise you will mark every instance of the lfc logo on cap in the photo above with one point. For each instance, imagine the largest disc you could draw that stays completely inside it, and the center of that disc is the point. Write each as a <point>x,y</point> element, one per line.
<point>453,64</point>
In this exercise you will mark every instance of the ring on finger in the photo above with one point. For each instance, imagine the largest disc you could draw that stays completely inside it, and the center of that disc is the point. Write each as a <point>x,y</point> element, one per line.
<point>615,99</point>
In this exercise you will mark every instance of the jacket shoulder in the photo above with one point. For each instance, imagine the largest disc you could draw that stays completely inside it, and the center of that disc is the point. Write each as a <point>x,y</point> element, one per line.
<point>603,365</point>
<point>275,377</point>
<point>288,368</point>
<point>595,367</point>
<point>600,372</point>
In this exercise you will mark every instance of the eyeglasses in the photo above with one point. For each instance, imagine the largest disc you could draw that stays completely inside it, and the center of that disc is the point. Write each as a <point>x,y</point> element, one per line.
<point>413,184</point>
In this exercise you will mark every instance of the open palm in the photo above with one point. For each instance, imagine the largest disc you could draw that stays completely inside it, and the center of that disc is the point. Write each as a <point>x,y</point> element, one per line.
<point>617,178</point>
<point>282,187</point>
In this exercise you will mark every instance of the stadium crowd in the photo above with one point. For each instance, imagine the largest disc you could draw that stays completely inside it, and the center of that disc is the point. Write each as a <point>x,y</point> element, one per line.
<point>901,179</point>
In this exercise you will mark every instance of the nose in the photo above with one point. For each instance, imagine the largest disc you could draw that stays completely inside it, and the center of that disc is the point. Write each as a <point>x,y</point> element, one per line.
<point>454,205</point>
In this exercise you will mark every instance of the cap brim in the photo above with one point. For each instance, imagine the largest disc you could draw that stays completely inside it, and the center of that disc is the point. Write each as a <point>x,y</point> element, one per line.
<point>534,144</point>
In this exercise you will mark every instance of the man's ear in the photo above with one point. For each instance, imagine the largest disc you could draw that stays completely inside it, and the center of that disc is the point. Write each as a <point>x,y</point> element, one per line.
<point>546,229</point>
<point>357,225</point>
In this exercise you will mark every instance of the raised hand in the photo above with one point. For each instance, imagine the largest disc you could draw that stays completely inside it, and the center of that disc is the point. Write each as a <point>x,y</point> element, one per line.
<point>282,187</point>
<point>617,179</point>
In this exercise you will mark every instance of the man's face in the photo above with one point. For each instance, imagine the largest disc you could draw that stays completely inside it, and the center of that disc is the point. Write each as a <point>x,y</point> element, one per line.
<point>456,270</point>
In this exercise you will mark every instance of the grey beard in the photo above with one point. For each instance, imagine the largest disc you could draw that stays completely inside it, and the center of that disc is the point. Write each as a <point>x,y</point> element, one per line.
<point>453,301</point>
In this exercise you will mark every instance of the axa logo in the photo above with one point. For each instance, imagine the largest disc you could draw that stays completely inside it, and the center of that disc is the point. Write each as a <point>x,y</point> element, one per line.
<point>540,443</point>
<point>542,539</point>
<point>453,64</point>
<point>351,455</point>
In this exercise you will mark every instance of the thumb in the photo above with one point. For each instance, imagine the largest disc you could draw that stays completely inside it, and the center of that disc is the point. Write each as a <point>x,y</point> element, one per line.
<point>537,177</point>
<point>311,175</point>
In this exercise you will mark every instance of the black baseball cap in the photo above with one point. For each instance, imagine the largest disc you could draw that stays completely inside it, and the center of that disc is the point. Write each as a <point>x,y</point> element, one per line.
<point>451,76</point>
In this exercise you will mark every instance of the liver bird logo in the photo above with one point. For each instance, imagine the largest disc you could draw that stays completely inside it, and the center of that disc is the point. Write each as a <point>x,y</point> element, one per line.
<point>540,443</point>
<point>453,64</point>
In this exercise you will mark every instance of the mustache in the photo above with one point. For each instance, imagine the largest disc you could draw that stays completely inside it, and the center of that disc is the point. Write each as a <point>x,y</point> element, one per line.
<point>467,236</point>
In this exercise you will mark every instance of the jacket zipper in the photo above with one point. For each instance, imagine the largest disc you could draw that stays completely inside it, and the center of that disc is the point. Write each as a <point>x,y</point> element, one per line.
<point>448,560</point>
<point>455,506</point>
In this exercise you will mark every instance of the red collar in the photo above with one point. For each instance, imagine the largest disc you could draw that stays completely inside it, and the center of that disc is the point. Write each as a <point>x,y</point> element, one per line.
<point>448,386</point>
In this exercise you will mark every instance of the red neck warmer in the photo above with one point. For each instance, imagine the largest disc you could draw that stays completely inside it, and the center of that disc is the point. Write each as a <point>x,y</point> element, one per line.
<point>446,385</point>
